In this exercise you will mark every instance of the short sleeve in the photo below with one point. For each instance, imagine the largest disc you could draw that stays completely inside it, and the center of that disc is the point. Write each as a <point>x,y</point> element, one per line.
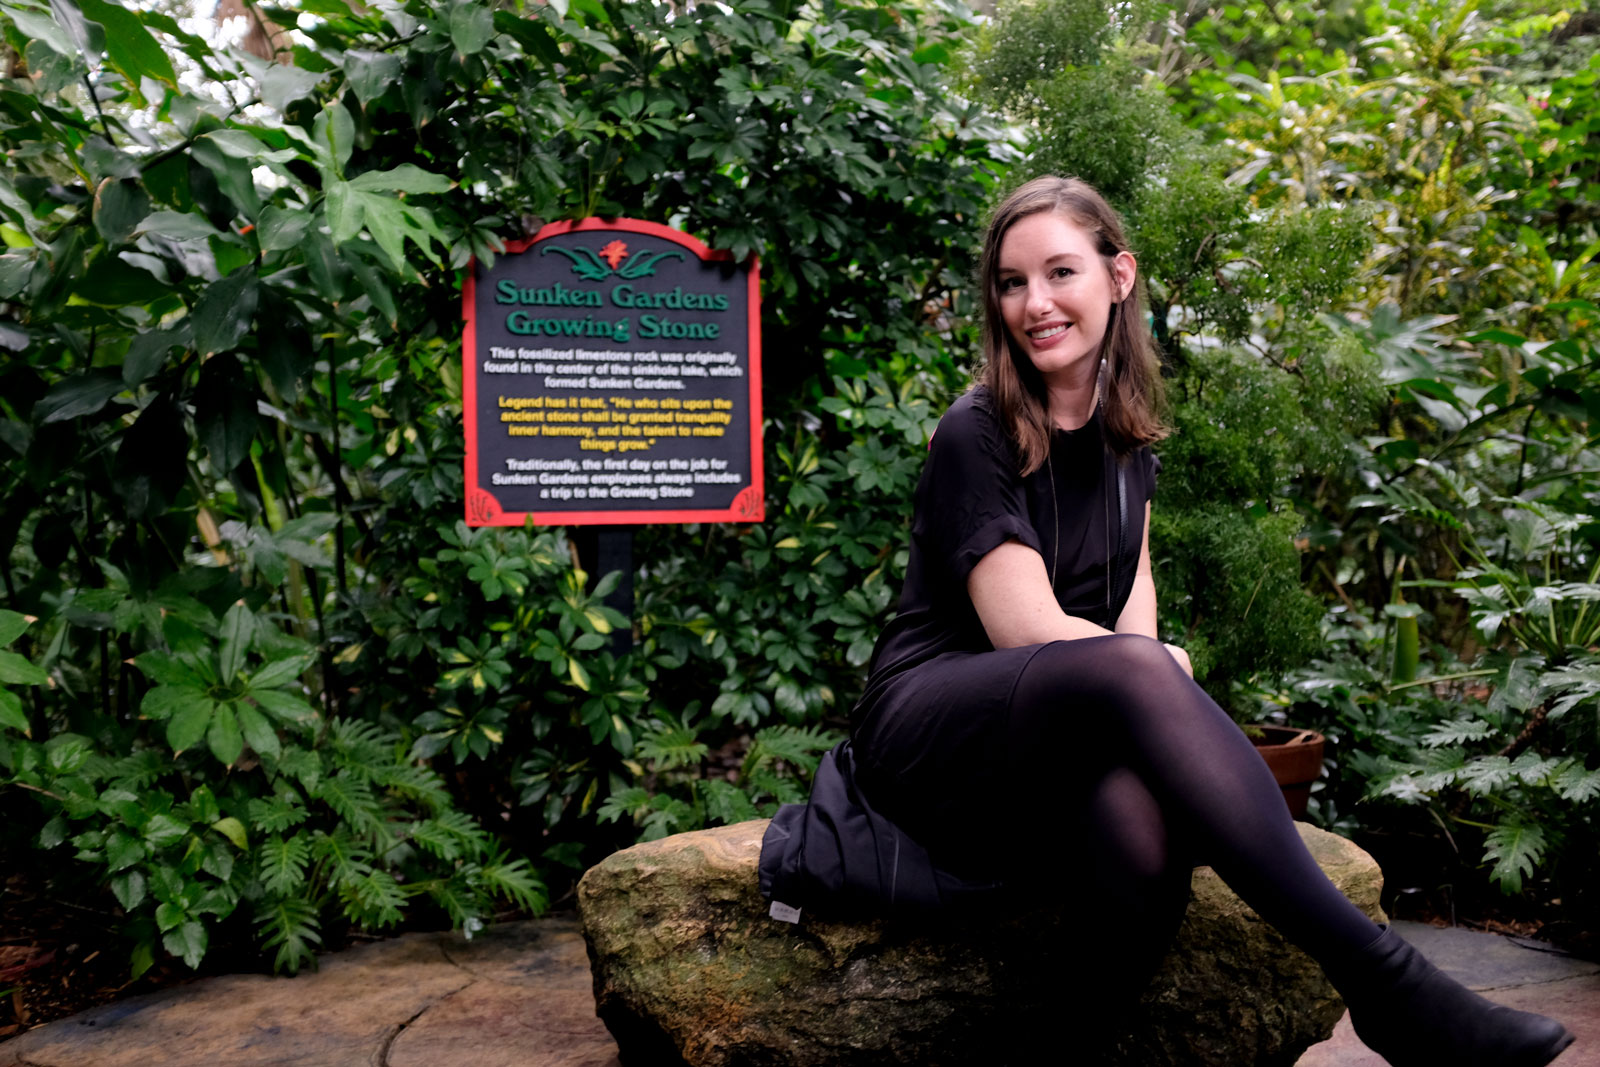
<point>971,497</point>
<point>1152,468</point>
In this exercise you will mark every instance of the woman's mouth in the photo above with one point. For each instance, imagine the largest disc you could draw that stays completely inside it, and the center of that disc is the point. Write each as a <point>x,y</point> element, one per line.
<point>1048,332</point>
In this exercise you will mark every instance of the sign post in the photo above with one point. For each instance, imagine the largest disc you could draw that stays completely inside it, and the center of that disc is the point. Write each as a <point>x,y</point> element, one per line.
<point>612,376</point>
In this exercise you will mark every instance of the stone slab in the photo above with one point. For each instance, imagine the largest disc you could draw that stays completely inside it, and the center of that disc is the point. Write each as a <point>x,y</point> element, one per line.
<point>518,993</point>
<point>1507,971</point>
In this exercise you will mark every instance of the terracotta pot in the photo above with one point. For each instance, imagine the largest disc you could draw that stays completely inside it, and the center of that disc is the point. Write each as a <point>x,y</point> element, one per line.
<point>1295,758</point>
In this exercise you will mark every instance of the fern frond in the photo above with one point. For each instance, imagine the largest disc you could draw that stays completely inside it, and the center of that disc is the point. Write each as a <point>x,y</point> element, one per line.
<point>1577,784</point>
<point>283,864</point>
<point>629,801</point>
<point>1515,847</point>
<point>372,900</point>
<point>676,746</point>
<point>418,783</point>
<point>1485,774</point>
<point>278,813</point>
<point>516,882</point>
<point>800,746</point>
<point>725,802</point>
<point>344,859</point>
<point>458,897</point>
<point>294,927</point>
<point>1457,731</point>
<point>353,800</point>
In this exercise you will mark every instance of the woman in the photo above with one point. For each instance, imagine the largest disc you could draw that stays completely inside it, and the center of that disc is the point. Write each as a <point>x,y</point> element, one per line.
<point>1026,631</point>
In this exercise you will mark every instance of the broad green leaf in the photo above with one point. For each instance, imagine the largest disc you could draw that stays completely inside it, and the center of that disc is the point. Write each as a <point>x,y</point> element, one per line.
<point>281,705</point>
<point>223,314</point>
<point>281,228</point>
<point>406,178</point>
<point>129,889</point>
<point>189,724</point>
<point>39,26</point>
<point>343,210</point>
<point>165,701</point>
<point>225,415</point>
<point>233,830</point>
<point>188,942</point>
<point>119,208</point>
<point>12,625</point>
<point>16,670</point>
<point>371,73</point>
<point>12,714</point>
<point>147,354</point>
<point>130,47</point>
<point>180,226</point>
<point>163,830</point>
<point>81,394</point>
<point>164,668</point>
<point>232,174</point>
<point>335,132</point>
<point>278,672</point>
<point>238,633</point>
<point>258,733</point>
<point>282,84</point>
<point>223,736</point>
<point>122,851</point>
<point>471,26</point>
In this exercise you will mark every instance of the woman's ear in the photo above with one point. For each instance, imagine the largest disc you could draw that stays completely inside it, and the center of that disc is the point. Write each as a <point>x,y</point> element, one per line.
<point>1124,270</point>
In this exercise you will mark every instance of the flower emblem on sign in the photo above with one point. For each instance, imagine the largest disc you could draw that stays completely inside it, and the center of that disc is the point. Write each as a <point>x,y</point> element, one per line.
<point>597,267</point>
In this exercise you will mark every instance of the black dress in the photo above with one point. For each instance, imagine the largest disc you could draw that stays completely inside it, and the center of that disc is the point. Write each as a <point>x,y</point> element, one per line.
<point>932,731</point>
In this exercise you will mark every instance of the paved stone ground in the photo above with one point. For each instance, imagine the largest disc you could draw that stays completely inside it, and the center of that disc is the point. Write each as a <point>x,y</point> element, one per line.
<point>517,995</point>
<point>1516,973</point>
<point>520,995</point>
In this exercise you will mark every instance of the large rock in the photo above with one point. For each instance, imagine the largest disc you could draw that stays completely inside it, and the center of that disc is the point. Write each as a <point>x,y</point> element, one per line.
<point>689,968</point>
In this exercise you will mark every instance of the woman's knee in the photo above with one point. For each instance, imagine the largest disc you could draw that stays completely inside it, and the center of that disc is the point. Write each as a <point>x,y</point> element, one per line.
<point>1116,668</point>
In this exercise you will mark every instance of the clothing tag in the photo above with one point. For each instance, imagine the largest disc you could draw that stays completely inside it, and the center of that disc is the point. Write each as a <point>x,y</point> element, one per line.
<point>783,912</point>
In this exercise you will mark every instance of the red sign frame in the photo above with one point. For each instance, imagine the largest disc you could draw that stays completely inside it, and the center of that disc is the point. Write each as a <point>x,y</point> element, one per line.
<point>482,507</point>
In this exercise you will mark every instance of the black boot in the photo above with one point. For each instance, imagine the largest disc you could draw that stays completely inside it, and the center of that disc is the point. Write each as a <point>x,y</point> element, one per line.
<point>1414,1015</point>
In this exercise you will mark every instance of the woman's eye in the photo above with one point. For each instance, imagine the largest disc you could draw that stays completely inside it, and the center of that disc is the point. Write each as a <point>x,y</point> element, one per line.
<point>1063,272</point>
<point>1008,284</point>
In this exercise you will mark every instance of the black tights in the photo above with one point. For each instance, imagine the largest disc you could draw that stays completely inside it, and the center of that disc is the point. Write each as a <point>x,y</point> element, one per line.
<point>1178,784</point>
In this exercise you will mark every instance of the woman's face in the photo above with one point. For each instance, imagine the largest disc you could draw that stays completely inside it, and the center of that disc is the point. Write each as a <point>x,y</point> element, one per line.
<point>1056,293</point>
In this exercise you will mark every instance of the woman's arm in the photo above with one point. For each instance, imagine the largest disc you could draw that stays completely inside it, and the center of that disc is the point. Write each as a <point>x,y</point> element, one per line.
<point>1011,592</point>
<point>1139,613</point>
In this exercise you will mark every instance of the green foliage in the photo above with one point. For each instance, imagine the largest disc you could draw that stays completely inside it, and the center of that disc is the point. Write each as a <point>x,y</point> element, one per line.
<point>283,673</point>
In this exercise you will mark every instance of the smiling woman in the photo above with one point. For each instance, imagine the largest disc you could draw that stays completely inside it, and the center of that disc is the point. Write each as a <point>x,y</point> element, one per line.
<point>1020,631</point>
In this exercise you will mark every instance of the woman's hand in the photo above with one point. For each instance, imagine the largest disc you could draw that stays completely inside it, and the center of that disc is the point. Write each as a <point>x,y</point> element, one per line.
<point>1182,657</point>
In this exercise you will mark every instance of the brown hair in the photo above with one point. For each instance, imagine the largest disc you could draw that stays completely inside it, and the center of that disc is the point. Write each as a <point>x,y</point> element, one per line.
<point>1132,395</point>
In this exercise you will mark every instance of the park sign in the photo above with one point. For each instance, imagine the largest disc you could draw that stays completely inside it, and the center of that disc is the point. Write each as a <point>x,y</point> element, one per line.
<point>612,374</point>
